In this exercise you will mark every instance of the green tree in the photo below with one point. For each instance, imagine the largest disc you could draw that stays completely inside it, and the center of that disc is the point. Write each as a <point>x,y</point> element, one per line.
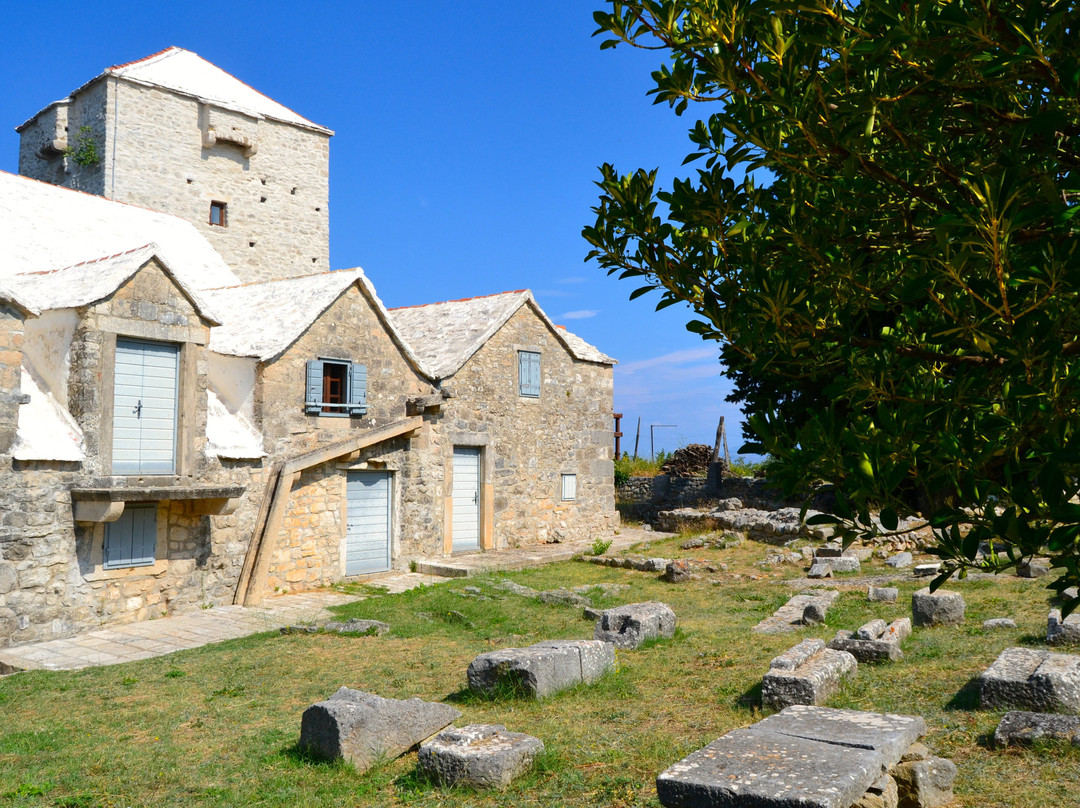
<point>882,236</point>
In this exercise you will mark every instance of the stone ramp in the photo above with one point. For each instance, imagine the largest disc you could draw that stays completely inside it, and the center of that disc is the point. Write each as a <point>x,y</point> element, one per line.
<point>789,617</point>
<point>150,638</point>
<point>803,757</point>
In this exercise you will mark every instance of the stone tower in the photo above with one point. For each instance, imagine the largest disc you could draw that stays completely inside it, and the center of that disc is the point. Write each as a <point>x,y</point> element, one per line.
<point>174,133</point>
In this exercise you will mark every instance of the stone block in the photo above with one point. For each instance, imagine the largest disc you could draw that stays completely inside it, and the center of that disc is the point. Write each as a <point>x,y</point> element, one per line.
<point>828,552</point>
<point>861,553</point>
<point>999,622</point>
<point>790,616</point>
<point>881,794</point>
<point>1028,678</point>
<point>900,560</point>
<point>678,571</point>
<point>363,728</point>
<point>9,577</point>
<point>1033,568</point>
<point>631,625</point>
<point>1062,631</point>
<point>820,569</point>
<point>882,594</point>
<point>813,614</point>
<point>803,757</point>
<point>808,674</point>
<point>480,755</point>
<point>924,783</point>
<point>926,570</point>
<point>874,642</point>
<point>541,669</point>
<point>1021,728</point>
<point>941,608</point>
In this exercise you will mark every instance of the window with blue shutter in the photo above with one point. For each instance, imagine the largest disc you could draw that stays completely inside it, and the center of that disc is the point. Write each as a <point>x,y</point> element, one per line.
<point>335,387</point>
<point>529,374</point>
<point>131,541</point>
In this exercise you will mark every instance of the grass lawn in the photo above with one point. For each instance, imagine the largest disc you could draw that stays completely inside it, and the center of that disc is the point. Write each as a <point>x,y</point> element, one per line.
<point>218,726</point>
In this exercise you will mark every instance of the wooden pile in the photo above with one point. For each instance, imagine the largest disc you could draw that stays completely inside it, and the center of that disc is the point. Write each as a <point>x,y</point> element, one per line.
<point>689,461</point>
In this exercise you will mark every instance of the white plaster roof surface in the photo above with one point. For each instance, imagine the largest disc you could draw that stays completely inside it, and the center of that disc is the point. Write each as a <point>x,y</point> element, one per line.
<point>263,319</point>
<point>46,431</point>
<point>445,335</point>
<point>44,227</point>
<point>90,281</point>
<point>230,434</point>
<point>186,72</point>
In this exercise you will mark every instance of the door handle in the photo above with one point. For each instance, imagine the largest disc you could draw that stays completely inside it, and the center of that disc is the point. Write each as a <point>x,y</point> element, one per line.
<point>138,409</point>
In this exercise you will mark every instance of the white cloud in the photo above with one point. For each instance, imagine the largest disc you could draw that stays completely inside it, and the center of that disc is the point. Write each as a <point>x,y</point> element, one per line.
<point>572,280</point>
<point>580,314</point>
<point>706,356</point>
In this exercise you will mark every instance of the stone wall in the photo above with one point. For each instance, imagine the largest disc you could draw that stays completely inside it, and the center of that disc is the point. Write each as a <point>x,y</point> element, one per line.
<point>156,151</point>
<point>529,443</point>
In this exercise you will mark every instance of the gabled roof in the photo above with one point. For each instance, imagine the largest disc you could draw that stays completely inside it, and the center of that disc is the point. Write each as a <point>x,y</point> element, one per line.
<point>188,73</point>
<point>446,335</point>
<point>44,227</point>
<point>263,319</point>
<point>90,281</point>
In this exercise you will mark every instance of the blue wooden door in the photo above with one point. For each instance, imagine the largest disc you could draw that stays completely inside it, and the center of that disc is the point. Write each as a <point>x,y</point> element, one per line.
<point>145,387</point>
<point>367,534</point>
<point>465,522</point>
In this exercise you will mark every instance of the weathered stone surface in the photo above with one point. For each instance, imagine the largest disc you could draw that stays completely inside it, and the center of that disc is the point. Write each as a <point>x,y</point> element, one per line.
<point>9,577</point>
<point>861,553</point>
<point>999,622</point>
<point>1062,631</point>
<point>882,594</point>
<point>678,571</point>
<point>354,626</point>
<point>924,783</point>
<point>1021,728</point>
<point>1033,568</point>
<point>941,608</point>
<point>363,728</point>
<point>807,674</point>
<point>1032,679</point>
<point>813,614</point>
<point>820,569</point>
<point>882,794</point>
<point>482,755</point>
<point>541,669</point>
<point>840,563</point>
<point>926,570</point>
<point>900,560</point>
<point>803,757</point>
<point>827,551</point>
<point>790,616</point>
<point>874,642</point>
<point>630,625</point>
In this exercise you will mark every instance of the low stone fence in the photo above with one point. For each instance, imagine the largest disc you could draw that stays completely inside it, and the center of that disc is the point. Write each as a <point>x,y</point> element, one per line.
<point>642,498</point>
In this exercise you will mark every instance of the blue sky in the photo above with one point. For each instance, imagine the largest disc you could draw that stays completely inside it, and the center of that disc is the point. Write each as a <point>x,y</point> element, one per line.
<point>467,142</point>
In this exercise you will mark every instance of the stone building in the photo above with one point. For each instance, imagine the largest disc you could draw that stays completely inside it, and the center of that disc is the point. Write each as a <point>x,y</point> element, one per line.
<point>195,411</point>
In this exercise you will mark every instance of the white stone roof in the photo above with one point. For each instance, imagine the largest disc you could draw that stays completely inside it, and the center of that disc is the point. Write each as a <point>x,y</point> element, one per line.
<point>46,431</point>
<point>45,227</point>
<point>263,319</point>
<point>91,281</point>
<point>446,335</point>
<point>188,73</point>
<point>230,434</point>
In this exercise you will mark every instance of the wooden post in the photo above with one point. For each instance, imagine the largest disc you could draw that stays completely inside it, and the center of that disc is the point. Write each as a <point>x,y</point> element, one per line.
<point>719,438</point>
<point>727,454</point>
<point>637,437</point>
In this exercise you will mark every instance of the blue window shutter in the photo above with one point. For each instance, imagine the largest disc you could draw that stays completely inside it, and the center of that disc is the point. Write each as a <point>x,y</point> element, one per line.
<point>357,389</point>
<point>313,399</point>
<point>131,541</point>
<point>529,374</point>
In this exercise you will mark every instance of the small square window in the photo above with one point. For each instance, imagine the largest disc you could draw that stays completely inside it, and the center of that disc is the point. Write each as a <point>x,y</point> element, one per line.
<point>335,387</point>
<point>218,214</point>
<point>131,541</point>
<point>529,374</point>
<point>569,487</point>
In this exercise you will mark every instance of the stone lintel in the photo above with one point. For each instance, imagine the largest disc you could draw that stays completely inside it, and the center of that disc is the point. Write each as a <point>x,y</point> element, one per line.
<point>97,510</point>
<point>128,493</point>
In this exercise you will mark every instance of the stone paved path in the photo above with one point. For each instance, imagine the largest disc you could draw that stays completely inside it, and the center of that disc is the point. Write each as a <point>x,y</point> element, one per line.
<point>126,643</point>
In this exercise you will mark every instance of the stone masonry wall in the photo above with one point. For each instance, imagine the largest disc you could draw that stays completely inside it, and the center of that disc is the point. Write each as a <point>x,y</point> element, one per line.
<point>532,442</point>
<point>52,582</point>
<point>278,221</point>
<point>59,126</point>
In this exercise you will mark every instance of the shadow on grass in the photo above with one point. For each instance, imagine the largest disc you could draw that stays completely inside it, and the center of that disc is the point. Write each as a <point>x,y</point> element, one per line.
<point>751,699</point>
<point>295,753</point>
<point>1031,640</point>
<point>966,698</point>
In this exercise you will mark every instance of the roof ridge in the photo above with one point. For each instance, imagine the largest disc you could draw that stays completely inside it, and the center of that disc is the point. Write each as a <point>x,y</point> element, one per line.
<point>84,263</point>
<point>282,279</point>
<point>145,58</point>
<point>459,300</point>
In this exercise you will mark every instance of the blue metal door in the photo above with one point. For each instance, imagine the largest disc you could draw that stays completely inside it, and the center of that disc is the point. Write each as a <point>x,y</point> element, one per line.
<point>145,387</point>
<point>367,535</point>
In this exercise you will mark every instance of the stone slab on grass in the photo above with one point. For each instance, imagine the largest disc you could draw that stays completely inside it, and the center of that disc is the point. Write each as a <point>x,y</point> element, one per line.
<point>1028,678</point>
<point>480,755</point>
<point>882,594</point>
<point>630,625</point>
<point>363,728</point>
<point>541,669</point>
<point>876,641</point>
<point>900,560</point>
<point>1021,728</point>
<point>1062,631</point>
<point>803,757</point>
<point>925,783</point>
<point>789,616</point>
<point>941,608</point>
<point>806,674</point>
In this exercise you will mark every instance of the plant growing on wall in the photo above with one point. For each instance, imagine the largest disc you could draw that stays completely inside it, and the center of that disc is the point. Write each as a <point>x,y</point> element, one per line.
<point>84,151</point>
<point>883,238</point>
